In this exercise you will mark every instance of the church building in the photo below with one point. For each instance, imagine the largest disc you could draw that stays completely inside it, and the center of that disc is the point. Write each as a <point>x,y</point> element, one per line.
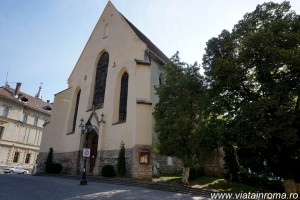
<point>110,96</point>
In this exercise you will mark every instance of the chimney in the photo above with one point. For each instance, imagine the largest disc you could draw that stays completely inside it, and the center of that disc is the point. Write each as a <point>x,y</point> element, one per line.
<point>17,90</point>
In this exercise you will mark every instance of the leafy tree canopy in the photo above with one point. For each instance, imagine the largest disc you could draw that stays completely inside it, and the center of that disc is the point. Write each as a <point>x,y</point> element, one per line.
<point>177,113</point>
<point>253,76</point>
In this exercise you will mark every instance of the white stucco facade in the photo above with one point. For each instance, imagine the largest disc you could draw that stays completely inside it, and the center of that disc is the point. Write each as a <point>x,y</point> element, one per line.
<point>21,127</point>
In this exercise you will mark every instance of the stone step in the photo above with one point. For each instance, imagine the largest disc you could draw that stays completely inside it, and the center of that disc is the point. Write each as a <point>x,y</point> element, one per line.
<point>151,185</point>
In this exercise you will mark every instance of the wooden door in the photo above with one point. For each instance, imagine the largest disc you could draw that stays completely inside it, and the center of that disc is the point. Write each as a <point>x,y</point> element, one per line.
<point>93,155</point>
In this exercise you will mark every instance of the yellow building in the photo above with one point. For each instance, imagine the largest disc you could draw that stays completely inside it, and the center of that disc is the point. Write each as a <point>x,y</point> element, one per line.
<point>22,118</point>
<point>112,88</point>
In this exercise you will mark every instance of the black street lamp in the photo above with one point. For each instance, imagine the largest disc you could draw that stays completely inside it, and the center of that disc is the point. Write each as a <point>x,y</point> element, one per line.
<point>85,130</point>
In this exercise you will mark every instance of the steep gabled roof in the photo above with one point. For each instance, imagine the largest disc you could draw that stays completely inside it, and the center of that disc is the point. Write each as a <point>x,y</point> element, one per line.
<point>28,100</point>
<point>152,47</point>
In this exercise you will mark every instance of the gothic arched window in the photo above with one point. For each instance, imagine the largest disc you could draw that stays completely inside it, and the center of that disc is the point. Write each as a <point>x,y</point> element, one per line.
<point>100,81</point>
<point>123,97</point>
<point>76,110</point>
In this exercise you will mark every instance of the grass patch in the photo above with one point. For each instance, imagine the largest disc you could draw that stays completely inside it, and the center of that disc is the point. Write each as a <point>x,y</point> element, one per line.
<point>212,183</point>
<point>222,185</point>
<point>170,178</point>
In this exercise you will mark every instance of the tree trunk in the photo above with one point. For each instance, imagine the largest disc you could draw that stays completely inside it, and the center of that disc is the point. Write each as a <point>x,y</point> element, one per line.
<point>186,174</point>
<point>290,186</point>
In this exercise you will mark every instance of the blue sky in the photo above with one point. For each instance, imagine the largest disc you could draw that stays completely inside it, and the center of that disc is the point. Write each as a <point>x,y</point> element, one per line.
<point>41,40</point>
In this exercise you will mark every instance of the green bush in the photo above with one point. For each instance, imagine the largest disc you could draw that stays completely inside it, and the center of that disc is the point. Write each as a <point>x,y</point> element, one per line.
<point>56,168</point>
<point>108,171</point>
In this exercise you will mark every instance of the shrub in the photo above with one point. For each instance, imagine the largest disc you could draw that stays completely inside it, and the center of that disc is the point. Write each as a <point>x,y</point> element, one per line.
<point>121,166</point>
<point>108,171</point>
<point>56,168</point>
<point>49,161</point>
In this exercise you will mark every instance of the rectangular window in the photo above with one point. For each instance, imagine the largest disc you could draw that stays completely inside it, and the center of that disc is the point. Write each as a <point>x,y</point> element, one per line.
<point>16,157</point>
<point>27,159</point>
<point>1,131</point>
<point>5,112</point>
<point>35,122</point>
<point>25,116</point>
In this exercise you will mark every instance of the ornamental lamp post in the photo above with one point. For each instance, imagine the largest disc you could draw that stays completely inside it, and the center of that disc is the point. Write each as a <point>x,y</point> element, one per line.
<point>85,130</point>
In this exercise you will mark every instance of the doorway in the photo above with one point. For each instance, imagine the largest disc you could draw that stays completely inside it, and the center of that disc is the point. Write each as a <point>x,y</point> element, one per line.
<point>93,155</point>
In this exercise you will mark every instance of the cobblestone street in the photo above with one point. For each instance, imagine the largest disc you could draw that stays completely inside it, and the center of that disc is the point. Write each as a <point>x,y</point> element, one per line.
<point>27,187</point>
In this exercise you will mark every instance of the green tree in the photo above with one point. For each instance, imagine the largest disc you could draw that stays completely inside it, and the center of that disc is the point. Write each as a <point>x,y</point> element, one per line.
<point>253,74</point>
<point>121,166</point>
<point>49,161</point>
<point>177,112</point>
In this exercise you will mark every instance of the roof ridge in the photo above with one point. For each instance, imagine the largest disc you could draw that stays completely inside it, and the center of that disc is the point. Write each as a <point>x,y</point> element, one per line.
<point>147,41</point>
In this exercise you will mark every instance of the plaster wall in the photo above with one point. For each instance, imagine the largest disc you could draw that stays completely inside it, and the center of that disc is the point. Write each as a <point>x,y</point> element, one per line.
<point>24,138</point>
<point>119,41</point>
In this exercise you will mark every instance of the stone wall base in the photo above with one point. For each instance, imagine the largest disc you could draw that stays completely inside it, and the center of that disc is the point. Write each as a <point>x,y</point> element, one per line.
<point>142,162</point>
<point>68,160</point>
<point>136,167</point>
<point>166,165</point>
<point>111,157</point>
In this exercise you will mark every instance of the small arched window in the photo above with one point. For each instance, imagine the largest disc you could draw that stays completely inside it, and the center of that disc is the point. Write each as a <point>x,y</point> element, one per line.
<point>100,82</point>
<point>5,112</point>
<point>123,97</point>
